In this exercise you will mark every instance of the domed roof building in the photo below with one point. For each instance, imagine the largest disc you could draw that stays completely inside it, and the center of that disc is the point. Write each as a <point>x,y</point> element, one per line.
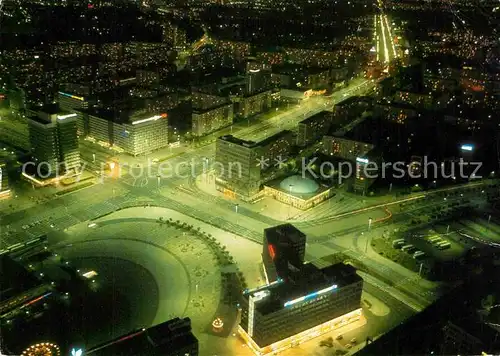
<point>298,191</point>
<point>299,185</point>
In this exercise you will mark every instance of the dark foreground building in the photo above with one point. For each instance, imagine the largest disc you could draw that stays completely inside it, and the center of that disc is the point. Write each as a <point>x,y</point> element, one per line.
<point>171,338</point>
<point>302,302</point>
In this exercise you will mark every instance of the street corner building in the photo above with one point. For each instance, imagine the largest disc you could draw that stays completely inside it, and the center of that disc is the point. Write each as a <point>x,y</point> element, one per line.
<point>300,301</point>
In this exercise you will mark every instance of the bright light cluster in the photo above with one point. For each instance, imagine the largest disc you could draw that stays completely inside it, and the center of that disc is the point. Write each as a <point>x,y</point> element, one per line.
<point>42,349</point>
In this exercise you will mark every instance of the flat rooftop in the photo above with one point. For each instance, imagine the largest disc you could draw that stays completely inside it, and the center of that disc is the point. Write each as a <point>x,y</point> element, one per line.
<point>320,115</point>
<point>14,278</point>
<point>238,141</point>
<point>308,280</point>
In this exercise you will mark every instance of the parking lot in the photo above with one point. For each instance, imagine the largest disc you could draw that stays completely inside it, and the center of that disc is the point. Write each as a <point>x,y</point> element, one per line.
<point>457,236</point>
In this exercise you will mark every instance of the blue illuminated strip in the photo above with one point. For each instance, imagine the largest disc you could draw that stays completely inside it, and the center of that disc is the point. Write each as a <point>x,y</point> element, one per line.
<point>310,296</point>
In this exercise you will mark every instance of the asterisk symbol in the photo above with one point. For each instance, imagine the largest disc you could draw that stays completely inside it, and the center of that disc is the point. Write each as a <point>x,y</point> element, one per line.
<point>279,162</point>
<point>263,162</point>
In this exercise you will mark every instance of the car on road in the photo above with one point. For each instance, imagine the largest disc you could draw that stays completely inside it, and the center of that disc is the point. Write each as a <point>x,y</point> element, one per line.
<point>339,337</point>
<point>348,346</point>
<point>354,341</point>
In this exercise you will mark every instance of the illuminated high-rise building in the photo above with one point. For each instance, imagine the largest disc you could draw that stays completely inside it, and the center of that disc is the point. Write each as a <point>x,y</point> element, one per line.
<point>300,301</point>
<point>54,140</point>
<point>284,246</point>
<point>4,180</point>
<point>132,133</point>
<point>258,77</point>
<point>310,302</point>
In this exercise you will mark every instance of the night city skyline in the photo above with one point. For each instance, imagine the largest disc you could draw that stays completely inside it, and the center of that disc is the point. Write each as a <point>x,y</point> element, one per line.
<point>240,178</point>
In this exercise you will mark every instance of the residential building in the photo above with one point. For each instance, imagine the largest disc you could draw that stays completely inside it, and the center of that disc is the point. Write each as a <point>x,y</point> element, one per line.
<point>344,148</point>
<point>314,127</point>
<point>210,113</point>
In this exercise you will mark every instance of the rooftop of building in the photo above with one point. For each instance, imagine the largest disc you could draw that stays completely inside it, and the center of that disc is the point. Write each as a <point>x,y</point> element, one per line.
<point>306,282</point>
<point>119,116</point>
<point>315,117</point>
<point>174,334</point>
<point>272,139</point>
<point>238,141</point>
<point>14,278</point>
<point>355,100</point>
<point>284,232</point>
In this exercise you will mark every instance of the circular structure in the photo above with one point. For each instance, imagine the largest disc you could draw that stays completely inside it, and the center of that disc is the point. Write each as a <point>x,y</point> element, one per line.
<point>217,325</point>
<point>151,270</point>
<point>42,349</point>
<point>299,185</point>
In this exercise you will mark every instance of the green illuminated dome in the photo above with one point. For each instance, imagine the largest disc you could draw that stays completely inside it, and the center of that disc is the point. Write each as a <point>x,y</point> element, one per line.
<point>299,185</point>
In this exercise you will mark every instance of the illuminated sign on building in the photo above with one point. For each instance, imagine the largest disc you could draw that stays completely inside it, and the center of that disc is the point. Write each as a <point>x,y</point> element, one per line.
<point>62,117</point>
<point>72,96</point>
<point>270,248</point>
<point>362,160</point>
<point>153,118</point>
<point>310,296</point>
<point>257,296</point>
<point>254,70</point>
<point>467,148</point>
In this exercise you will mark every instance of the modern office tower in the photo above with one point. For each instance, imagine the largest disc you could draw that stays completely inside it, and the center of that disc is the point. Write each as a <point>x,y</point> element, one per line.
<point>4,180</point>
<point>284,246</point>
<point>54,141</point>
<point>310,302</point>
<point>314,127</point>
<point>133,134</point>
<point>238,171</point>
<point>241,162</point>
<point>171,338</point>
<point>258,77</point>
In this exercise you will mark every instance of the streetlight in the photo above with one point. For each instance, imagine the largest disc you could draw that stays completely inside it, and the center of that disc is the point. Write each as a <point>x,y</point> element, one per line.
<point>236,208</point>
<point>370,220</point>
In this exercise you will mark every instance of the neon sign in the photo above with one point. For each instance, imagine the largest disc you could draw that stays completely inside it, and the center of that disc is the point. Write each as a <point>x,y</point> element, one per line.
<point>310,296</point>
<point>72,96</point>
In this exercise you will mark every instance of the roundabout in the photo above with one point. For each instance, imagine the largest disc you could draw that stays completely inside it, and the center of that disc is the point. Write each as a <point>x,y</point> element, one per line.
<point>150,271</point>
